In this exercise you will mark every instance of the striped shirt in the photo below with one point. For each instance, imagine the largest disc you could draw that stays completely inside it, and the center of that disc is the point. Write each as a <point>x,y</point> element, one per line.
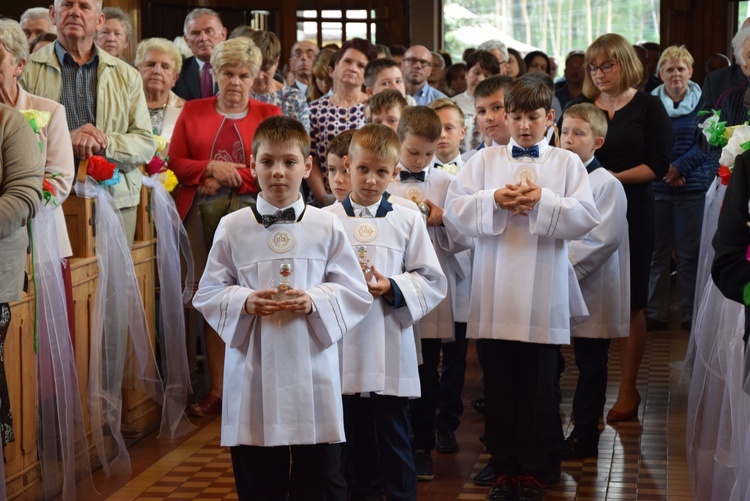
<point>78,89</point>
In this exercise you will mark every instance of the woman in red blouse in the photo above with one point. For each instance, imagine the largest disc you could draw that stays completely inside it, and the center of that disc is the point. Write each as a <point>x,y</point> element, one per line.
<point>210,155</point>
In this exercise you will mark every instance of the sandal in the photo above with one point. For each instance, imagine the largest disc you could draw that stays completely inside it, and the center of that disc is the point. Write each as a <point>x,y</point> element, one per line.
<point>208,406</point>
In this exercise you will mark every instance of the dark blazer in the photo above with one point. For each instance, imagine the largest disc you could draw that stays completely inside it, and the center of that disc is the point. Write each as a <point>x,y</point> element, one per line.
<point>718,82</point>
<point>188,86</point>
<point>731,269</point>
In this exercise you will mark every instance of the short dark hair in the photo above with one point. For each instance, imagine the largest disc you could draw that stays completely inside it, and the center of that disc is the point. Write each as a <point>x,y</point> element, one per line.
<point>420,121</point>
<point>339,145</point>
<point>374,67</point>
<point>536,53</point>
<point>384,101</point>
<point>453,71</point>
<point>280,129</point>
<point>528,93</point>
<point>486,60</point>
<point>489,86</point>
<point>397,50</point>
<point>361,45</point>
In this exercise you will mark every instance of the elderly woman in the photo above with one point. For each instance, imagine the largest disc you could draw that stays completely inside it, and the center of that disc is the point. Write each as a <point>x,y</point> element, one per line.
<point>59,168</point>
<point>342,110</point>
<point>210,155</point>
<point>679,195</point>
<point>20,194</point>
<point>265,89</point>
<point>159,62</point>
<point>637,151</point>
<point>114,34</point>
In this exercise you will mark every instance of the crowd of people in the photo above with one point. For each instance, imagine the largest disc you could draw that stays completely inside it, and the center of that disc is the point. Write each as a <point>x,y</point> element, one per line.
<point>355,213</point>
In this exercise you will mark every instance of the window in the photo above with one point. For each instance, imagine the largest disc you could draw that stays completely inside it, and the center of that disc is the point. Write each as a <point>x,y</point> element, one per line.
<point>335,26</point>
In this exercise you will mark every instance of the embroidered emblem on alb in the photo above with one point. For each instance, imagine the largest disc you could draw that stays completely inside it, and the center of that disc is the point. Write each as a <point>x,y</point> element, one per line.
<point>525,174</point>
<point>365,231</point>
<point>415,194</point>
<point>281,240</point>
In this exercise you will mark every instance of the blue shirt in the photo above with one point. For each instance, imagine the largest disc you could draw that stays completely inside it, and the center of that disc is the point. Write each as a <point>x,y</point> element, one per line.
<point>426,95</point>
<point>78,89</point>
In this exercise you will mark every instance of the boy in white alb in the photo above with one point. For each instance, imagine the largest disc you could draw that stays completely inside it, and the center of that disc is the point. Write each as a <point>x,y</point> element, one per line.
<point>419,131</point>
<point>282,383</point>
<point>379,356</point>
<point>602,265</point>
<point>521,203</point>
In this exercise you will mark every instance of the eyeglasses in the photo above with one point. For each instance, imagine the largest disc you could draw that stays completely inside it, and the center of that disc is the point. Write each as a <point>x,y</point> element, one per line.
<point>606,68</point>
<point>413,61</point>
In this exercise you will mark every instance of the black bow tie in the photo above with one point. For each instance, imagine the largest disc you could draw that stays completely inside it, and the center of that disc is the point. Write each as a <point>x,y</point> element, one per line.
<point>281,216</point>
<point>406,174</point>
<point>525,152</point>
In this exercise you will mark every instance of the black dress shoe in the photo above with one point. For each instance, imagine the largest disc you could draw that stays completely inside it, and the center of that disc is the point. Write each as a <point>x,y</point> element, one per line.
<point>446,442</point>
<point>504,489</point>
<point>487,476</point>
<point>479,405</point>
<point>529,489</point>
<point>423,465</point>
<point>574,448</point>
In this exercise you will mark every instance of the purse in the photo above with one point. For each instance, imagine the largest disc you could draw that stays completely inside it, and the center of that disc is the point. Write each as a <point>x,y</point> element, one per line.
<point>212,211</point>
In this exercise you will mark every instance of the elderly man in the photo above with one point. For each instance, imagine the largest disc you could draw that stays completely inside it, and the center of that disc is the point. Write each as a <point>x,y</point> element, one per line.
<point>203,31</point>
<point>416,67</point>
<point>36,21</point>
<point>102,95</point>
<point>300,64</point>
<point>499,50</point>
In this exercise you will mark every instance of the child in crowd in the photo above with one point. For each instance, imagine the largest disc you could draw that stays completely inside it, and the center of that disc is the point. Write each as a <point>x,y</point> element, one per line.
<point>282,386</point>
<point>385,108</point>
<point>338,176</point>
<point>420,131</point>
<point>382,74</point>
<point>602,265</point>
<point>379,357</point>
<point>521,203</point>
<point>489,100</point>
<point>453,133</point>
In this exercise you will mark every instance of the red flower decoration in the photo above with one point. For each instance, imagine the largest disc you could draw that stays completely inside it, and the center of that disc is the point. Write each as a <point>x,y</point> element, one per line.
<point>155,166</point>
<point>100,168</point>
<point>724,174</point>
<point>48,187</point>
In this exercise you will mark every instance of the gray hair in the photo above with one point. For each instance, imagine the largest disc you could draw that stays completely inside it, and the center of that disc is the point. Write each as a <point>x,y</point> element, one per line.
<point>35,13</point>
<point>737,42</point>
<point>494,45</point>
<point>98,3</point>
<point>14,40</point>
<point>240,51</point>
<point>201,11</point>
<point>120,15</point>
<point>158,45</point>
<point>440,58</point>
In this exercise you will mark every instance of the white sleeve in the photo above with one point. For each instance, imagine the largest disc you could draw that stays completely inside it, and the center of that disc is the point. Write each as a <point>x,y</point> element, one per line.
<point>590,253</point>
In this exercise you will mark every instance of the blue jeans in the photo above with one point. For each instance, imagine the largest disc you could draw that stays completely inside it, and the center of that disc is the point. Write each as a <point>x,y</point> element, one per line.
<point>678,220</point>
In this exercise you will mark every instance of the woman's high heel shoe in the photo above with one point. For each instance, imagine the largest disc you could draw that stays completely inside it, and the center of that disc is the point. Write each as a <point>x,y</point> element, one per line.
<point>614,416</point>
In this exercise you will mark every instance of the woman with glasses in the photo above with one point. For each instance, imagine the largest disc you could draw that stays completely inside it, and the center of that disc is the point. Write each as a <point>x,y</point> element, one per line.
<point>637,150</point>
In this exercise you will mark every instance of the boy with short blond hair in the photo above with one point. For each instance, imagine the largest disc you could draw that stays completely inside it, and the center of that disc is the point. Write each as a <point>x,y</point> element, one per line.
<point>379,357</point>
<point>521,203</point>
<point>385,108</point>
<point>420,130</point>
<point>602,265</point>
<point>338,176</point>
<point>267,289</point>
<point>453,133</point>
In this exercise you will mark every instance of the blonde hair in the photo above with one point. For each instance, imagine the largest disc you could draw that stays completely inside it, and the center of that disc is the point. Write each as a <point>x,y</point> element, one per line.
<point>615,48</point>
<point>14,40</point>
<point>158,45</point>
<point>281,129</point>
<point>378,139</point>
<point>420,121</point>
<point>445,103</point>
<point>674,52</point>
<point>239,51</point>
<point>589,114</point>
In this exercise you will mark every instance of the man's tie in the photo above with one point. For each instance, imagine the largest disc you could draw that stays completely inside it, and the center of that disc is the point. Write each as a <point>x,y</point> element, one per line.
<point>207,83</point>
<point>281,216</point>
<point>525,152</point>
<point>406,174</point>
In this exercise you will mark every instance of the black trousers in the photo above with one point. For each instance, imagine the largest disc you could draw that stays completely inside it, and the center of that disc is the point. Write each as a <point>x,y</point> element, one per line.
<point>423,408</point>
<point>591,389</point>
<point>262,473</point>
<point>522,421</point>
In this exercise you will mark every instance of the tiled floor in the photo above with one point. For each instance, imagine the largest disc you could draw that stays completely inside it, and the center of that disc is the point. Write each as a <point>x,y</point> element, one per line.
<point>642,459</point>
